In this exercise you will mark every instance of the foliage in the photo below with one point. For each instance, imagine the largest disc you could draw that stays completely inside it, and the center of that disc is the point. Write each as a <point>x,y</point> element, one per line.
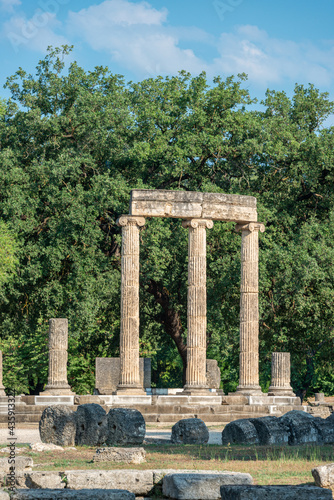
<point>72,146</point>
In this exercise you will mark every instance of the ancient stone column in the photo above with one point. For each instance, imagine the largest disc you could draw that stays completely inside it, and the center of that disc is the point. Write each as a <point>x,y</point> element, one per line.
<point>249,309</point>
<point>2,389</point>
<point>280,375</point>
<point>129,337</point>
<point>58,343</point>
<point>196,341</point>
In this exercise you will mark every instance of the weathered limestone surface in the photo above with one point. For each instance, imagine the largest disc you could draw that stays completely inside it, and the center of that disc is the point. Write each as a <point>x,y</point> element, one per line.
<point>324,476</point>
<point>190,431</point>
<point>116,454</point>
<point>129,337</point>
<point>213,377</point>
<point>271,430</point>
<point>249,309</point>
<point>280,375</point>
<point>4,495</point>
<point>274,493</point>
<point>2,388</point>
<point>58,425</point>
<point>201,485</point>
<point>135,481</point>
<point>319,397</point>
<point>58,342</point>
<point>40,479</point>
<point>196,340</point>
<point>189,205</point>
<point>301,427</point>
<point>21,464</point>
<point>38,446</point>
<point>240,431</point>
<point>54,494</point>
<point>108,374</point>
<point>325,430</point>
<point>125,427</point>
<point>92,425</point>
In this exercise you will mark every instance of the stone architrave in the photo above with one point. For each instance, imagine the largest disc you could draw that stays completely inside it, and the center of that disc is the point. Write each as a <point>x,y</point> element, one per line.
<point>249,309</point>
<point>58,342</point>
<point>2,388</point>
<point>129,336</point>
<point>280,375</point>
<point>196,341</point>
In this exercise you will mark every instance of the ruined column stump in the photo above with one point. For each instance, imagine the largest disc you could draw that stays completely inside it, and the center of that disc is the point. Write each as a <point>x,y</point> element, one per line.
<point>129,335</point>
<point>249,309</point>
<point>58,343</point>
<point>280,375</point>
<point>196,382</point>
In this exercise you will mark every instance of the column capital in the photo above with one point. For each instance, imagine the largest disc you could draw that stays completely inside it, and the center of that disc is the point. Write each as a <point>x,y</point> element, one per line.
<point>252,226</point>
<point>194,223</point>
<point>124,220</point>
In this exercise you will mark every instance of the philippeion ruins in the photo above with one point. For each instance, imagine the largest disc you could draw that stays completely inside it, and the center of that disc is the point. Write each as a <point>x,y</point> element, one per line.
<point>126,381</point>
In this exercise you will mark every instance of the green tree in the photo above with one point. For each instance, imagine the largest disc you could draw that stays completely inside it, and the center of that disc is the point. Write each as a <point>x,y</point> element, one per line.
<point>72,146</point>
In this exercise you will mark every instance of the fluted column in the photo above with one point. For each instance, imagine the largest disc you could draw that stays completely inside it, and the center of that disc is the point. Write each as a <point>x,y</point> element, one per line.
<point>58,344</point>
<point>2,389</point>
<point>129,337</point>
<point>249,309</point>
<point>196,340</point>
<point>280,375</point>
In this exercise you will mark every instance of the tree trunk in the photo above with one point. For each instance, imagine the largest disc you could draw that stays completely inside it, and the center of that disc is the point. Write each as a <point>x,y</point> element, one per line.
<point>171,321</point>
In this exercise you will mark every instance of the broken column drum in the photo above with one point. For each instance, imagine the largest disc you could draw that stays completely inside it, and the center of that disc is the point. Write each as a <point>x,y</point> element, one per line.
<point>129,335</point>
<point>280,375</point>
<point>196,339</point>
<point>58,343</point>
<point>249,309</point>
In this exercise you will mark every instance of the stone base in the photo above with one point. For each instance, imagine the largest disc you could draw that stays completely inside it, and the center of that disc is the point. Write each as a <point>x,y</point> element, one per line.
<point>266,399</point>
<point>193,390</point>
<point>196,392</point>
<point>121,399</point>
<point>248,390</point>
<point>2,391</point>
<point>124,390</point>
<point>183,399</point>
<point>57,390</point>
<point>52,399</point>
<point>281,391</point>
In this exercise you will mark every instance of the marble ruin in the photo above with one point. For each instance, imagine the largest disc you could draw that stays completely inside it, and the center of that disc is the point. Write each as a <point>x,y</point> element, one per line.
<point>199,211</point>
<point>280,375</point>
<point>58,342</point>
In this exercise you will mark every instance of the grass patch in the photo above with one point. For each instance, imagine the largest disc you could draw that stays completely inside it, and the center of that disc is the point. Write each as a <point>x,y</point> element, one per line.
<point>267,464</point>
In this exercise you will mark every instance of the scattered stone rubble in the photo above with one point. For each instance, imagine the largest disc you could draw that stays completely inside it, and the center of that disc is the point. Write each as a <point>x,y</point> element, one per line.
<point>293,428</point>
<point>91,425</point>
<point>190,431</point>
<point>324,476</point>
<point>274,493</point>
<point>58,425</point>
<point>125,455</point>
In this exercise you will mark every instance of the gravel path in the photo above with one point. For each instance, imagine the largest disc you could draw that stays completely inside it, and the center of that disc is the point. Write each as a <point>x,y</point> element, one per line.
<point>32,435</point>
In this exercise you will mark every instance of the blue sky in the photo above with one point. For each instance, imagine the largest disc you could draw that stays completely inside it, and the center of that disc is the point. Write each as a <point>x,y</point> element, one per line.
<point>277,44</point>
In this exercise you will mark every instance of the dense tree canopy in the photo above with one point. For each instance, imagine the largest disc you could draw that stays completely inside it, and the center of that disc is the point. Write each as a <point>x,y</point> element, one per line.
<point>72,146</point>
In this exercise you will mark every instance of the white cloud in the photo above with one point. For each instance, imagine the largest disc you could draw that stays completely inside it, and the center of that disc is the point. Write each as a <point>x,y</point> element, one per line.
<point>8,5</point>
<point>269,60</point>
<point>134,35</point>
<point>36,33</point>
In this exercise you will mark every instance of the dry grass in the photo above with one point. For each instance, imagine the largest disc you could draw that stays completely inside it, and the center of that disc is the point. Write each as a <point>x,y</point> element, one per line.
<point>267,465</point>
